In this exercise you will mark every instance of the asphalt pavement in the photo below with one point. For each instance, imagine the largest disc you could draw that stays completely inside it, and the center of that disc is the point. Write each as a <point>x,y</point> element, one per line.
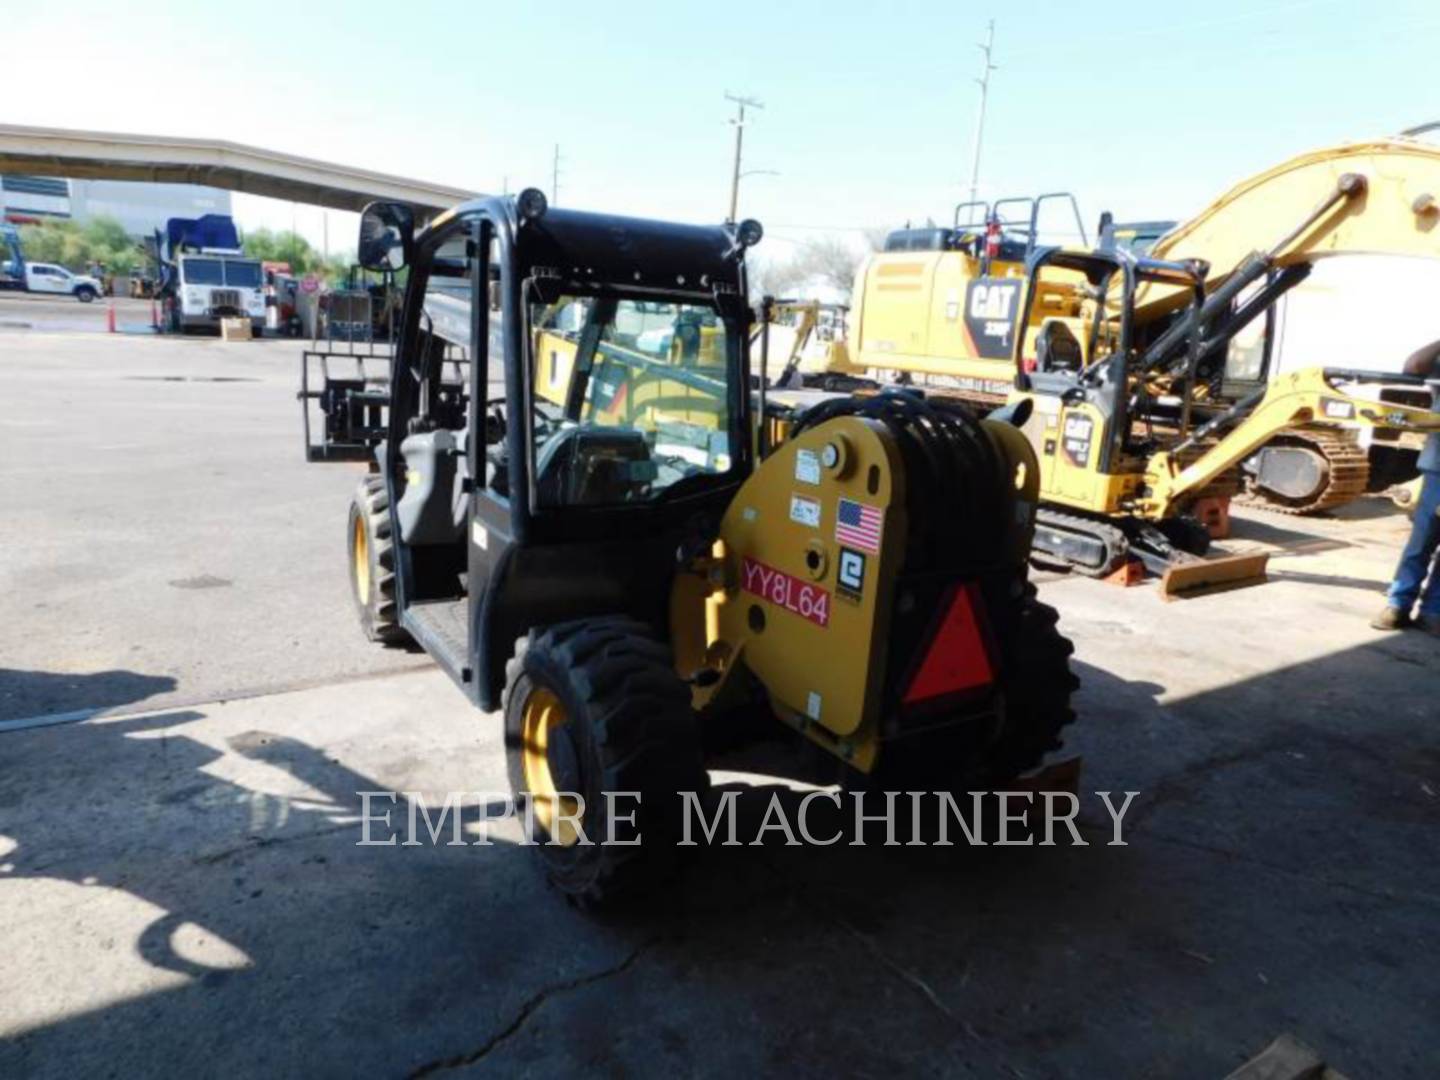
<point>188,714</point>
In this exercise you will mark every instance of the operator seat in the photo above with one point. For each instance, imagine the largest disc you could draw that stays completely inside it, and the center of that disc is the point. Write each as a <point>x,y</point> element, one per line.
<point>433,508</point>
<point>1057,348</point>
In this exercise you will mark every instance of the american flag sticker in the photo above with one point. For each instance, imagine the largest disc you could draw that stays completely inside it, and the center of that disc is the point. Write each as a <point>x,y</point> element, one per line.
<point>859,525</point>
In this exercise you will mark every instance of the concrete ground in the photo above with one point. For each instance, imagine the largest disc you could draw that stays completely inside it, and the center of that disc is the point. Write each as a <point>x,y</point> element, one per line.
<point>39,311</point>
<point>184,893</point>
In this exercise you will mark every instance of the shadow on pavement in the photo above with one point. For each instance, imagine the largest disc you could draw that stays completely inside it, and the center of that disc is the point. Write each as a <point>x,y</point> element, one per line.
<point>36,693</point>
<point>1278,877</point>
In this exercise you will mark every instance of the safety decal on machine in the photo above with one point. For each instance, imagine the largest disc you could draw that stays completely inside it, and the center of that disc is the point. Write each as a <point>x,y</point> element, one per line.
<point>859,525</point>
<point>850,576</point>
<point>805,511</point>
<point>807,466</point>
<point>800,597</point>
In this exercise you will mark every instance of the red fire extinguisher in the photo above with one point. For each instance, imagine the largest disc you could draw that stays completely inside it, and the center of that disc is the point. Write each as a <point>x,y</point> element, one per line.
<point>992,238</point>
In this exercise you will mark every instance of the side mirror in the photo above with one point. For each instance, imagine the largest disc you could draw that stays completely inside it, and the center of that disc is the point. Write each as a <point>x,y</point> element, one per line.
<point>387,231</point>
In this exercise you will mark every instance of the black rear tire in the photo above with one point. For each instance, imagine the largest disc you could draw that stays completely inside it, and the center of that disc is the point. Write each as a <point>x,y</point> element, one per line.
<point>623,723</point>
<point>1038,686</point>
<point>372,563</point>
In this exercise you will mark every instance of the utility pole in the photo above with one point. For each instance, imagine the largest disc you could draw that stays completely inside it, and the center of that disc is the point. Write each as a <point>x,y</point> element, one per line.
<point>555,178</point>
<point>739,122</point>
<point>984,82</point>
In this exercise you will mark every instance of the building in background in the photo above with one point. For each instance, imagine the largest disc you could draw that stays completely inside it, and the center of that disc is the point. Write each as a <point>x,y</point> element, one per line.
<point>140,207</point>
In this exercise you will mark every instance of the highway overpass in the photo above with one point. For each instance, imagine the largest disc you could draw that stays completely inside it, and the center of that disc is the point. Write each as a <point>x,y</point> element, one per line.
<point>167,159</point>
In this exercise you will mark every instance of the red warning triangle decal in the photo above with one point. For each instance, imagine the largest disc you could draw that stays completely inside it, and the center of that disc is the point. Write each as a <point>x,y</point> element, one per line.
<point>958,658</point>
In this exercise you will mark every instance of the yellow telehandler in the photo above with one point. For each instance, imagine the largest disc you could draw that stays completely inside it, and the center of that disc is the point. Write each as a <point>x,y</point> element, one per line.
<point>604,547</point>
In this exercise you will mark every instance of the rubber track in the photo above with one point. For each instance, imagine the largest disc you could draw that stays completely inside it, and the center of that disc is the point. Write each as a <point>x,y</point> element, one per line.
<point>1348,474</point>
<point>1116,544</point>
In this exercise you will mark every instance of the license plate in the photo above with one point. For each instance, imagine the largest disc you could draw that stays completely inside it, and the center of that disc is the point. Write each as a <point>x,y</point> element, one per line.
<point>800,597</point>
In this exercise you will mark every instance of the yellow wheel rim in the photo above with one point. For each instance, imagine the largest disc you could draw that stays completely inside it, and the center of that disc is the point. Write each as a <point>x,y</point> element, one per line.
<point>554,812</point>
<point>361,560</point>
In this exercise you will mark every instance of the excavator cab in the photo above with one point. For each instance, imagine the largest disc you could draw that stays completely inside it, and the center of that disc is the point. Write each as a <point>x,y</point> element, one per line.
<point>1078,362</point>
<point>1076,354</point>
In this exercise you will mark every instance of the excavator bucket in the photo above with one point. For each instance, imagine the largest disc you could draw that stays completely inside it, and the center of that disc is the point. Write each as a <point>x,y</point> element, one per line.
<point>1201,577</point>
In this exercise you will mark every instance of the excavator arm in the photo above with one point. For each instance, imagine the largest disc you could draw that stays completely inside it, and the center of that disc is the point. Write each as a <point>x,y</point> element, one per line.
<point>1311,395</point>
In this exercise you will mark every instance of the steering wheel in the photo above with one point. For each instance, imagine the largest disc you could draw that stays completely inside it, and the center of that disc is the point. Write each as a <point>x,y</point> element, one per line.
<point>497,423</point>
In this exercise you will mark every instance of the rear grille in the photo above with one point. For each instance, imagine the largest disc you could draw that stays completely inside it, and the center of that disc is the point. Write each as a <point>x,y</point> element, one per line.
<point>225,298</point>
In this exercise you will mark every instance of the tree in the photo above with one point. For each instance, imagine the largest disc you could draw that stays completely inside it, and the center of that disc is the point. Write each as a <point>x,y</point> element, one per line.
<point>101,240</point>
<point>832,261</point>
<point>827,261</point>
<point>287,247</point>
<point>290,247</point>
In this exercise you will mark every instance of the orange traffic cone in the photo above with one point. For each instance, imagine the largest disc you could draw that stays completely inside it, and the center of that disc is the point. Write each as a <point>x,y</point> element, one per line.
<point>110,317</point>
<point>154,316</point>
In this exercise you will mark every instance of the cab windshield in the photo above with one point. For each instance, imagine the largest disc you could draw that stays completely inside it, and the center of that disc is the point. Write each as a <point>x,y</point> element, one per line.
<point>630,397</point>
<point>202,271</point>
<point>242,275</point>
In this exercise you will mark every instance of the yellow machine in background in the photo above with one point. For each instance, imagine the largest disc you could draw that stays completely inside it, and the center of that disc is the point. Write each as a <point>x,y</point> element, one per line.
<point>1115,484</point>
<point>942,301</point>
<point>806,338</point>
<point>944,315</point>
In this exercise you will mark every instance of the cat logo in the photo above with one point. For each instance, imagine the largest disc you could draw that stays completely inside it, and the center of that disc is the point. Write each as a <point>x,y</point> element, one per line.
<point>990,308</point>
<point>990,300</point>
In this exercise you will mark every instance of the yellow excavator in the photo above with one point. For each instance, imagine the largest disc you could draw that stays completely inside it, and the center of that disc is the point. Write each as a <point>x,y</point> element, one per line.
<point>1116,481</point>
<point>817,357</point>
<point>933,307</point>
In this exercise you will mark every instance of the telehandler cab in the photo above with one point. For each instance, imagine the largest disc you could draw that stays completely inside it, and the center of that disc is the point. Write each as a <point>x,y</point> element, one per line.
<point>598,548</point>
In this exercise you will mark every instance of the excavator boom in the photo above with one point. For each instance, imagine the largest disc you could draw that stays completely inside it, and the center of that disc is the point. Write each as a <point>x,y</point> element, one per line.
<point>1394,210</point>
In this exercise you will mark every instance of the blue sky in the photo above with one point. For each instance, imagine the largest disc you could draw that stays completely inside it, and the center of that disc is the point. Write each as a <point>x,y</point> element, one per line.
<point>1148,110</point>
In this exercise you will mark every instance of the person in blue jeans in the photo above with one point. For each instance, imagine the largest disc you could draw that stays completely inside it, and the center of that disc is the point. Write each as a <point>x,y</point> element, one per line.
<point>1418,560</point>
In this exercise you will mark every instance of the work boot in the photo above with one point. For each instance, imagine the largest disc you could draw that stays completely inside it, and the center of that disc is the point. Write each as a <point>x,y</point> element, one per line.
<point>1392,618</point>
<point>1430,624</point>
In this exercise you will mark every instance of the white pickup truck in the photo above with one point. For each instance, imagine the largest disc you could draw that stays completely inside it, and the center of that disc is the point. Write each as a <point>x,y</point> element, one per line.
<point>49,278</point>
<point>210,287</point>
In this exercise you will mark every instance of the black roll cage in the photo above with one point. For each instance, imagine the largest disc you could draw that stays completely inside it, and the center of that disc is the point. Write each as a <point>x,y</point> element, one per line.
<point>1108,379</point>
<point>583,254</point>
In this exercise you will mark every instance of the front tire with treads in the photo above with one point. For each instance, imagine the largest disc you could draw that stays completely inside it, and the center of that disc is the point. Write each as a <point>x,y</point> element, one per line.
<point>372,563</point>
<point>595,706</point>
